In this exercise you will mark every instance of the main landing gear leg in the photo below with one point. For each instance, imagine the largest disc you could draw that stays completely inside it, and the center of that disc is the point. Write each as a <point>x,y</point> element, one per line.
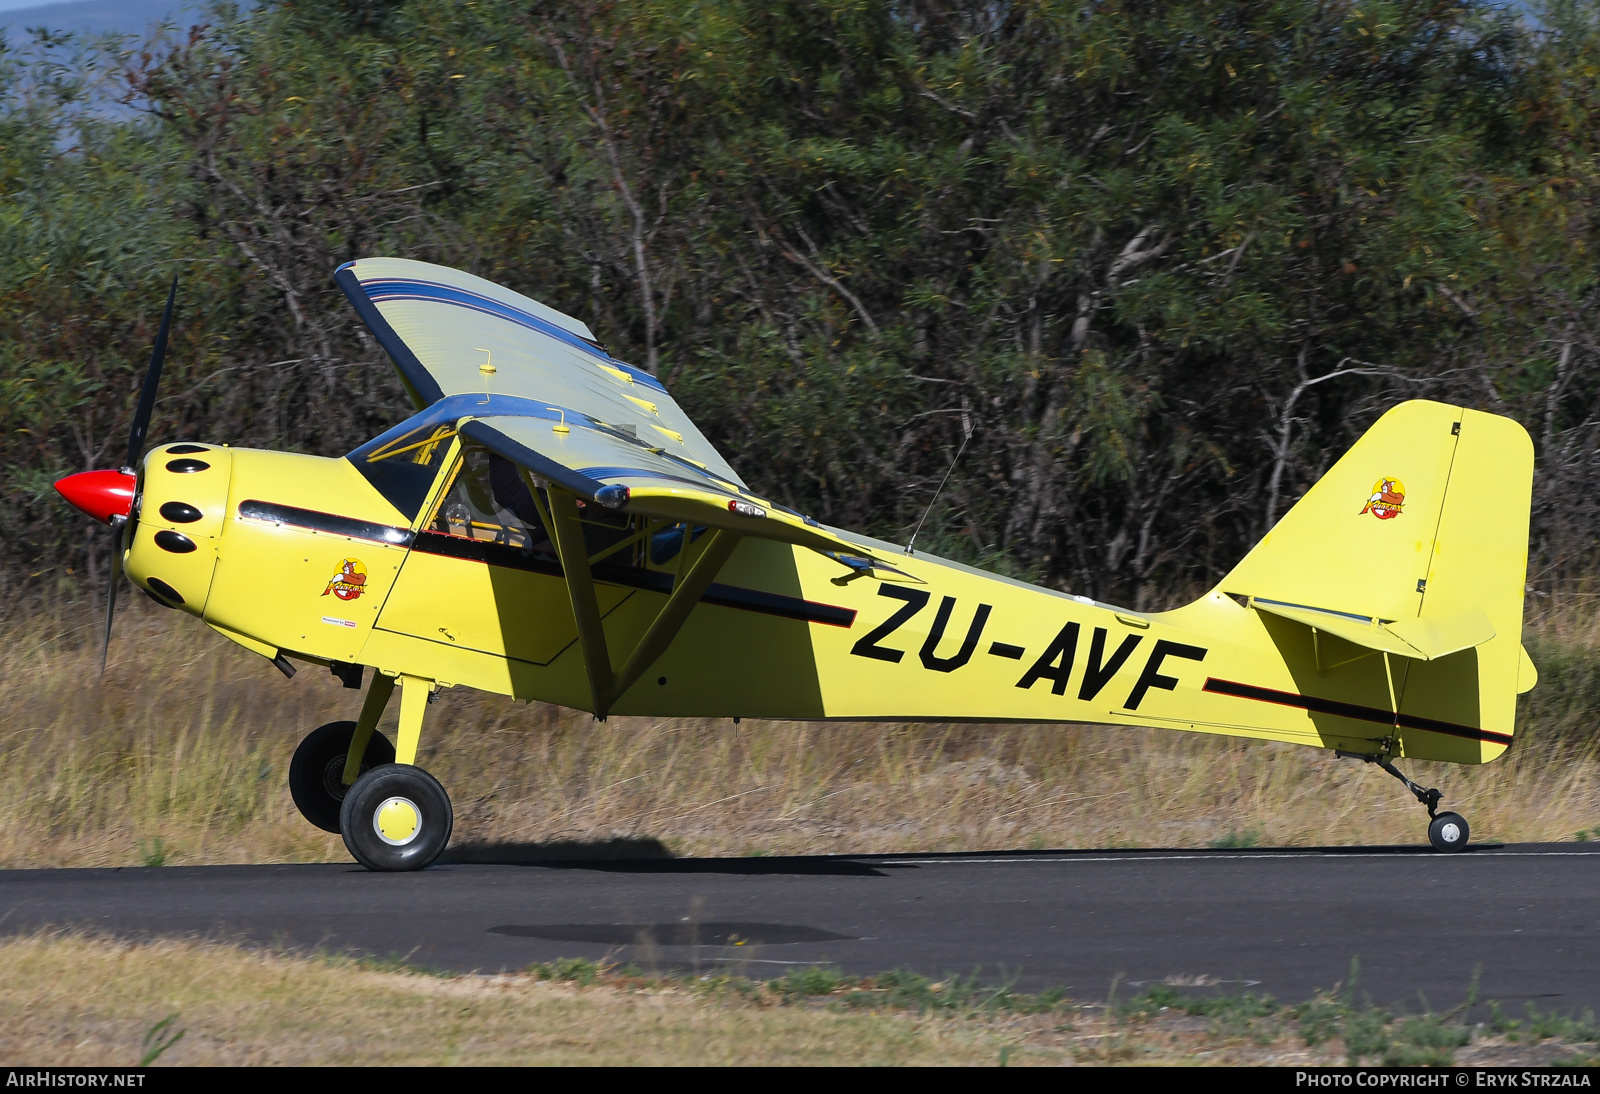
<point>1446,831</point>
<point>333,756</point>
<point>377,698</point>
<point>397,816</point>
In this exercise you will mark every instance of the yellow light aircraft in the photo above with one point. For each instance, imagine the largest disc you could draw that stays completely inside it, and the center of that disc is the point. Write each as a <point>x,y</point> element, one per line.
<point>550,525</point>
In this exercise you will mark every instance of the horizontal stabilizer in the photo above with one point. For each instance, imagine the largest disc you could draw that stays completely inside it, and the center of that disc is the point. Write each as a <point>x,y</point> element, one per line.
<point>1436,636</point>
<point>1425,638</point>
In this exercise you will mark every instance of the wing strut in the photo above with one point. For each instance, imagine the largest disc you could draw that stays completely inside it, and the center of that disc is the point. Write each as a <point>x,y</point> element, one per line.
<point>607,686</point>
<point>580,588</point>
<point>686,593</point>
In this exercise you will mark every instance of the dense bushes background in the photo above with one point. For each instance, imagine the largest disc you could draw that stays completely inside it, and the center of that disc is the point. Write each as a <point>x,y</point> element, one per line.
<point>1162,261</point>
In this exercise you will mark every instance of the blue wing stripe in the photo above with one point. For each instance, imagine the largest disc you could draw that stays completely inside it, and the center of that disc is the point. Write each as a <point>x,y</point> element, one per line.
<point>408,289</point>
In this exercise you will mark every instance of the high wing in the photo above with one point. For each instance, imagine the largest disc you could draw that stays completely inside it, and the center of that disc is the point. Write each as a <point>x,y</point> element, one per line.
<point>593,425</point>
<point>450,333</point>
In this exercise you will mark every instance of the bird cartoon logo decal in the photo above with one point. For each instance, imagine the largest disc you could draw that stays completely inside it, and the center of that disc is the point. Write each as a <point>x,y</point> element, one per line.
<point>1388,495</point>
<point>350,582</point>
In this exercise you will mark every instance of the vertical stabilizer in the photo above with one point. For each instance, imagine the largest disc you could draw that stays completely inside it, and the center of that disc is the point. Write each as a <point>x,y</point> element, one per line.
<point>1415,545</point>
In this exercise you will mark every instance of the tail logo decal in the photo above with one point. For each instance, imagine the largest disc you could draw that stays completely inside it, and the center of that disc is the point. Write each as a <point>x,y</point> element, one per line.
<point>1388,496</point>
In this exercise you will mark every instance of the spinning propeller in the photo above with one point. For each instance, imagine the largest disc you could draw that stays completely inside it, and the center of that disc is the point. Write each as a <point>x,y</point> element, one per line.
<point>107,496</point>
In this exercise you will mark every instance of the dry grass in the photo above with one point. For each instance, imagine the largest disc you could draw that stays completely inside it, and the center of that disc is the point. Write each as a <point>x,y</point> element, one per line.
<point>83,1001</point>
<point>87,1001</point>
<point>180,755</point>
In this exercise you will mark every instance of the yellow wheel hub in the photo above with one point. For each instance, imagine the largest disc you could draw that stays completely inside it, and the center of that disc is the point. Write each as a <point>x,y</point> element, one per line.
<point>397,821</point>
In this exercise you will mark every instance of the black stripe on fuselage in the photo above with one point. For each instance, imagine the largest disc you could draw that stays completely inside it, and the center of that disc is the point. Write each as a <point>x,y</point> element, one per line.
<point>498,554</point>
<point>270,513</point>
<point>431,543</point>
<point>1352,710</point>
<point>788,607</point>
<point>723,596</point>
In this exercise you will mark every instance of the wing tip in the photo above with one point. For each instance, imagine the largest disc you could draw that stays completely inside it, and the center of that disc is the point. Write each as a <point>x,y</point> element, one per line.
<point>420,385</point>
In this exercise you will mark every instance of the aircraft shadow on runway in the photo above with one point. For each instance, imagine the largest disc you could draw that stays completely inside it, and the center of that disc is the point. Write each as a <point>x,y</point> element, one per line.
<point>647,855</point>
<point>643,856</point>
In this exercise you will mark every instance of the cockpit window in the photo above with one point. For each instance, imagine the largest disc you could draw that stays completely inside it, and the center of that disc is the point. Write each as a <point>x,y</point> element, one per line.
<point>488,502</point>
<point>403,462</point>
<point>492,501</point>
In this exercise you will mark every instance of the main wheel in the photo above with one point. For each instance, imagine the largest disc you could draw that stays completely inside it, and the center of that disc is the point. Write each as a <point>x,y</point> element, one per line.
<point>1448,832</point>
<point>396,817</point>
<point>316,774</point>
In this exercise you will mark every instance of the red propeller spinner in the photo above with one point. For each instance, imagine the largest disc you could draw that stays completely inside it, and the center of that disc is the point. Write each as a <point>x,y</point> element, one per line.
<point>107,495</point>
<point>101,494</point>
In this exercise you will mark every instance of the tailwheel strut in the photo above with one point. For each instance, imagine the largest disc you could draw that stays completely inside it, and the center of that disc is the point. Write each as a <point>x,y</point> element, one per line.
<point>1446,831</point>
<point>1428,797</point>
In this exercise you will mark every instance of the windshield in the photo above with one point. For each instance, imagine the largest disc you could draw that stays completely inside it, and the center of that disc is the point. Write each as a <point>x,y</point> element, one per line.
<point>403,462</point>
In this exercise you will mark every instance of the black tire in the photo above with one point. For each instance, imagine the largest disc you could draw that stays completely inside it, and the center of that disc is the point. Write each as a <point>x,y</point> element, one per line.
<point>317,771</point>
<point>396,817</point>
<point>1448,832</point>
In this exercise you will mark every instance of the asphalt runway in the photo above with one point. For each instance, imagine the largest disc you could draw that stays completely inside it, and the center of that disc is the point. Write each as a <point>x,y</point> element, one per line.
<point>1286,921</point>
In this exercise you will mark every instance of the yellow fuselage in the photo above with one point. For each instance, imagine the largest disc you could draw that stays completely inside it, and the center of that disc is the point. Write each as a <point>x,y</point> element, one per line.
<point>302,556</point>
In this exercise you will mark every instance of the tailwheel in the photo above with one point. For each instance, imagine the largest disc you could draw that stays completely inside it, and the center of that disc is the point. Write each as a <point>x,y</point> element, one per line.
<point>316,774</point>
<point>1448,832</point>
<point>396,817</point>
